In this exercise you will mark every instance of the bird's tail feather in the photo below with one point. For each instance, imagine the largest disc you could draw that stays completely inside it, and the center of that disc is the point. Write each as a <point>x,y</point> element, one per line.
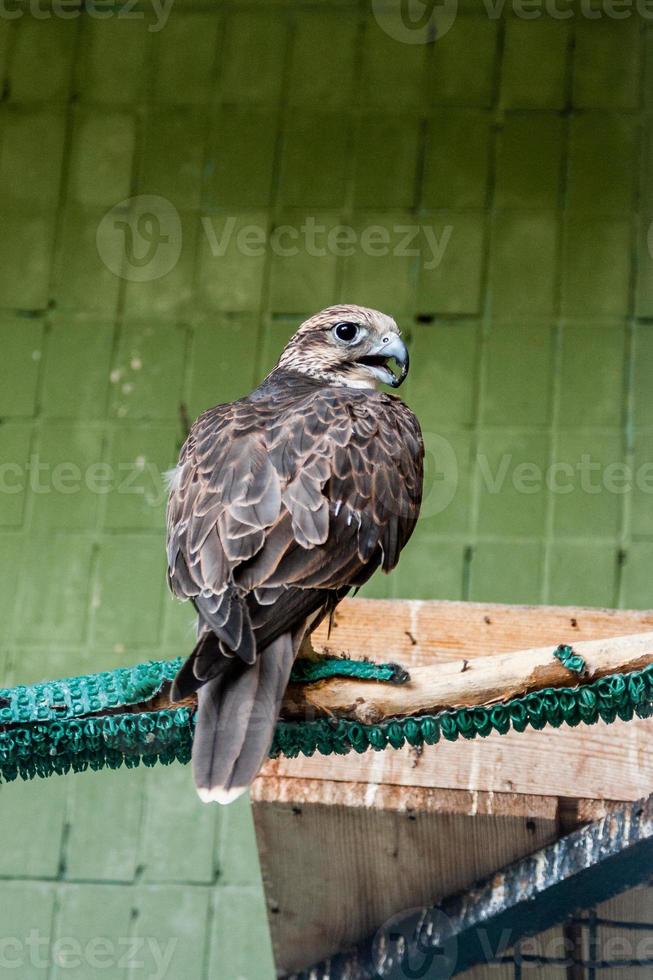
<point>235,722</point>
<point>206,662</point>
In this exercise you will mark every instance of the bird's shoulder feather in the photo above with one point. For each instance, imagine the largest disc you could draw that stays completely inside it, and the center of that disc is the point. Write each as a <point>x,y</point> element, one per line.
<point>296,485</point>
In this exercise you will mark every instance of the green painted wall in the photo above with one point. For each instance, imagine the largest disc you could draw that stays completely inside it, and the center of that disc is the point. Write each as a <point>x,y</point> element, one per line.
<point>521,145</point>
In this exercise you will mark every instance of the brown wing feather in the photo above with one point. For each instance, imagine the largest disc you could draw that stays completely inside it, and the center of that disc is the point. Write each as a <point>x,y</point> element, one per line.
<point>299,487</point>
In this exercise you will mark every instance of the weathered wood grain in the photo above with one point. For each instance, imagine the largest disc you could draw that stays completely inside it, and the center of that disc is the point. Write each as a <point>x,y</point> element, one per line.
<point>416,632</point>
<point>467,682</point>
<point>597,762</point>
<point>380,832</point>
<point>361,864</point>
<point>600,762</point>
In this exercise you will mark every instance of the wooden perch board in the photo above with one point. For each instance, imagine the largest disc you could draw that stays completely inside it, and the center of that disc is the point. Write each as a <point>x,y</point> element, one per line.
<point>598,762</point>
<point>458,655</point>
<point>467,683</point>
<point>415,631</point>
<point>398,829</point>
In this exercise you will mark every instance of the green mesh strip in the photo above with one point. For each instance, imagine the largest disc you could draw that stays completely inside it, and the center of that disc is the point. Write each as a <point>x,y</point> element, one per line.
<point>45,748</point>
<point>44,732</point>
<point>77,696</point>
<point>309,671</point>
<point>617,696</point>
<point>572,661</point>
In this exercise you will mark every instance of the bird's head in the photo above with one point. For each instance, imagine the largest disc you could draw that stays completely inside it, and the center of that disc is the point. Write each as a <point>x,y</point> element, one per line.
<point>348,345</point>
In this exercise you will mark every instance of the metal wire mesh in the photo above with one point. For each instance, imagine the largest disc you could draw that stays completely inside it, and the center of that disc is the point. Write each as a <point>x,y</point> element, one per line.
<point>589,945</point>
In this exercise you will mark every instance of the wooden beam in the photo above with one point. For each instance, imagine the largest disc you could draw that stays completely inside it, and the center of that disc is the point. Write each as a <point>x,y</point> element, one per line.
<point>423,631</point>
<point>602,762</point>
<point>367,852</point>
<point>407,799</point>
<point>467,683</point>
<point>400,828</point>
<point>460,654</point>
<point>581,870</point>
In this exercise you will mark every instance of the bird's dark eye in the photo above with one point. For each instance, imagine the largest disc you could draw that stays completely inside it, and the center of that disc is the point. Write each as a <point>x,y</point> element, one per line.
<point>346,331</point>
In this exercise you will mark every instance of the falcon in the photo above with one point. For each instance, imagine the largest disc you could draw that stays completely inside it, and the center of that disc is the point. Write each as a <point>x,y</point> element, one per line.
<point>281,503</point>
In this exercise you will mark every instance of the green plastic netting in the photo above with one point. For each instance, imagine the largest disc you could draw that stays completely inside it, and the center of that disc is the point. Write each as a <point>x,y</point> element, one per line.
<point>77,723</point>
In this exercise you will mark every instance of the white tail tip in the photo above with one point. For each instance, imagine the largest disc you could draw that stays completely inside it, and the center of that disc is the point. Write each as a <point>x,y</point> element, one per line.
<point>218,794</point>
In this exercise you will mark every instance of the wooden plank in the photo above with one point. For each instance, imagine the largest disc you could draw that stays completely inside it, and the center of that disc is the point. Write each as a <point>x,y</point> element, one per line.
<point>617,942</point>
<point>300,927</point>
<point>401,799</point>
<point>415,631</point>
<point>591,865</point>
<point>395,825</point>
<point>367,853</point>
<point>603,762</point>
<point>599,762</point>
<point>595,763</point>
<point>467,682</point>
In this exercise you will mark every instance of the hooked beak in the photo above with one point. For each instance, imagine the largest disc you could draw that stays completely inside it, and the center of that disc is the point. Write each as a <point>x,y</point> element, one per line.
<point>391,349</point>
<point>398,351</point>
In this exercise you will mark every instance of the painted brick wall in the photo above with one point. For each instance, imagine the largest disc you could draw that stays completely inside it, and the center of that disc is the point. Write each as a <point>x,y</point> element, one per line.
<point>520,148</point>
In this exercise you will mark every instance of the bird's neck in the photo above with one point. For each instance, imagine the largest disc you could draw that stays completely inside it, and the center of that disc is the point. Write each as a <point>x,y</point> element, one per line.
<point>314,379</point>
<point>288,379</point>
